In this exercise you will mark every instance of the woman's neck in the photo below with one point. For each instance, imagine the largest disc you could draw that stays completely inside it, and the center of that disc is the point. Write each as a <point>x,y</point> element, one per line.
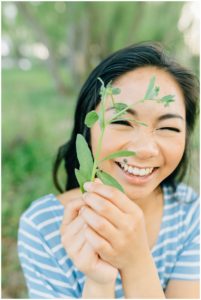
<point>150,203</point>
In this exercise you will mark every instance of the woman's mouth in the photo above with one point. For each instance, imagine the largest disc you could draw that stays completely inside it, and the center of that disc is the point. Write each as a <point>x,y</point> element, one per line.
<point>136,175</point>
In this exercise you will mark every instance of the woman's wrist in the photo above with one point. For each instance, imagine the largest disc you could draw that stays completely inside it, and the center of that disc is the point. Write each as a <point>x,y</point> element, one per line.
<point>94,289</point>
<point>141,280</point>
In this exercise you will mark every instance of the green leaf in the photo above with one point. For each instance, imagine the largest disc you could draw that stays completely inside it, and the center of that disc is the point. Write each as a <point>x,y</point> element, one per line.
<point>109,87</point>
<point>102,88</point>
<point>81,179</point>
<point>91,118</point>
<point>157,89</point>
<point>116,91</point>
<point>101,116</point>
<point>150,88</point>
<point>119,154</point>
<point>120,106</point>
<point>84,156</point>
<point>166,100</point>
<point>152,92</point>
<point>109,180</point>
<point>102,83</point>
<point>102,92</point>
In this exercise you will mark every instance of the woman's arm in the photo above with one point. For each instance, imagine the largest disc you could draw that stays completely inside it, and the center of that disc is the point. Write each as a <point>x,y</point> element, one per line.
<point>94,290</point>
<point>141,280</point>
<point>117,233</point>
<point>182,289</point>
<point>44,277</point>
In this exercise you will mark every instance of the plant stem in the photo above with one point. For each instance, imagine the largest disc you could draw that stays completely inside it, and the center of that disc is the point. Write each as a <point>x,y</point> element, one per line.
<point>97,155</point>
<point>96,160</point>
<point>122,111</point>
<point>102,126</point>
<point>112,100</point>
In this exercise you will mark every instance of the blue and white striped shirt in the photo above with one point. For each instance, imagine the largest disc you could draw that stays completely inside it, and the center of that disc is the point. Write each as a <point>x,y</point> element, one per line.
<point>50,273</point>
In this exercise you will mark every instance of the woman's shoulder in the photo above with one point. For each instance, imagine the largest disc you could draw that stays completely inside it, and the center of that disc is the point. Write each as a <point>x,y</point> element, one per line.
<point>48,209</point>
<point>67,196</point>
<point>182,204</point>
<point>181,193</point>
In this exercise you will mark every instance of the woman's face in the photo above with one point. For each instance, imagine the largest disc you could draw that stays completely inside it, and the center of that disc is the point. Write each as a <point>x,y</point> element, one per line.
<point>159,146</point>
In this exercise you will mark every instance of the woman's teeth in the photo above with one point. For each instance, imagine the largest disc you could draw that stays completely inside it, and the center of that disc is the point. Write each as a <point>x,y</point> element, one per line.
<point>136,171</point>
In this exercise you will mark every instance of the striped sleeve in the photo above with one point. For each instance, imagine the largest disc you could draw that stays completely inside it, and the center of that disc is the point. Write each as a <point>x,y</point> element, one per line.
<point>187,265</point>
<point>44,277</point>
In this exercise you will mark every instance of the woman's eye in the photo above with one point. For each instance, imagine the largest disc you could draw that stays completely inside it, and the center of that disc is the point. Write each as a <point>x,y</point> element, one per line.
<point>121,122</point>
<point>170,128</point>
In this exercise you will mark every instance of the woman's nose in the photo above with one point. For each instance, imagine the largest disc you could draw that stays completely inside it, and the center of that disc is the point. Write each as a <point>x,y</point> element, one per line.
<point>145,146</point>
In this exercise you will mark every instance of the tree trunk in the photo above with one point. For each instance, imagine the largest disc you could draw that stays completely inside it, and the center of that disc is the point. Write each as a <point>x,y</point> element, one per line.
<point>43,38</point>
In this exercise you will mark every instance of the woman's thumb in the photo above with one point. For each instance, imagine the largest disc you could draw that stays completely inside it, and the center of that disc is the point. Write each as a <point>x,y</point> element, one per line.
<point>97,180</point>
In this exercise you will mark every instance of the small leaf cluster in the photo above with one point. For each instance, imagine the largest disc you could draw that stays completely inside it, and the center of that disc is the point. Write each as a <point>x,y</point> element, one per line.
<point>153,91</point>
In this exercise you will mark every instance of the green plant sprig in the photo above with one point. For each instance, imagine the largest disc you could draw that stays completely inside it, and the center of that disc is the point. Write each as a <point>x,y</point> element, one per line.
<point>89,167</point>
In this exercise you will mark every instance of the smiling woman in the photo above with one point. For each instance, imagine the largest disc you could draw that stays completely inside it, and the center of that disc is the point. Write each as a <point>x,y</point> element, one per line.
<point>159,145</point>
<point>105,243</point>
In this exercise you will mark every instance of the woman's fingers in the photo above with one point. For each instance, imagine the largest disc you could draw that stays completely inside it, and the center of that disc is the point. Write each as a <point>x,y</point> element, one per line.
<point>81,252</point>
<point>71,210</point>
<point>112,194</point>
<point>74,227</point>
<point>103,227</point>
<point>93,266</point>
<point>76,244</point>
<point>100,245</point>
<point>104,208</point>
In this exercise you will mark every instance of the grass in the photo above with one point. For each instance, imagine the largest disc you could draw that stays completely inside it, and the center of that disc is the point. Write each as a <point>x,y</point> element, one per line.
<point>35,121</point>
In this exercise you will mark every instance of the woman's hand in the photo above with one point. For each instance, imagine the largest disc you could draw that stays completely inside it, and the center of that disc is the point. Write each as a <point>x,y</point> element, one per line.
<point>79,249</point>
<point>116,227</point>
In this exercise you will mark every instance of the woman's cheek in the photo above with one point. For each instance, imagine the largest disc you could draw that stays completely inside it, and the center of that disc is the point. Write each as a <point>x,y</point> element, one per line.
<point>174,152</point>
<point>110,143</point>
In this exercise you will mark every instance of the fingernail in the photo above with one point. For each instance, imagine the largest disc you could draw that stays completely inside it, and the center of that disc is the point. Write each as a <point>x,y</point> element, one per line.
<point>87,186</point>
<point>97,180</point>
<point>84,195</point>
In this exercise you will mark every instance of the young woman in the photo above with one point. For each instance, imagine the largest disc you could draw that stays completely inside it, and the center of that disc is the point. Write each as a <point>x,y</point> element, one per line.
<point>143,243</point>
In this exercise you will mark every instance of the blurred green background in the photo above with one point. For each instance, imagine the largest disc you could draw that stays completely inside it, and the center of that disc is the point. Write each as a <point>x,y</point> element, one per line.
<point>48,49</point>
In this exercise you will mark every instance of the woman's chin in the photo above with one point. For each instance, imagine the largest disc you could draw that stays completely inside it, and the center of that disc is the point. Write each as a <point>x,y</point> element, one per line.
<point>135,194</point>
<point>135,188</point>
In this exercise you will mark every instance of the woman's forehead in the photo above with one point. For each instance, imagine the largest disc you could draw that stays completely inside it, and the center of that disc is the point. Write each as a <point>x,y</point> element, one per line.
<point>137,82</point>
<point>134,84</point>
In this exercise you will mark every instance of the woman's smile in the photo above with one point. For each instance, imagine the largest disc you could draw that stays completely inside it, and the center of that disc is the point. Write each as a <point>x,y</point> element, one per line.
<point>136,175</point>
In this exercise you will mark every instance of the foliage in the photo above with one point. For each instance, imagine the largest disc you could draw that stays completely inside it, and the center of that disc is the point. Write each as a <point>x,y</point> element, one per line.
<point>35,121</point>
<point>79,45</point>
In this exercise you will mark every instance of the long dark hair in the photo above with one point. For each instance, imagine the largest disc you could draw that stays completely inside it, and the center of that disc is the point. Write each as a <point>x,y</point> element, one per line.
<point>115,65</point>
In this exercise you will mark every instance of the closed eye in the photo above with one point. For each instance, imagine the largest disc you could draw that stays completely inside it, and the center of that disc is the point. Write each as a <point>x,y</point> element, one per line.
<point>121,122</point>
<point>170,128</point>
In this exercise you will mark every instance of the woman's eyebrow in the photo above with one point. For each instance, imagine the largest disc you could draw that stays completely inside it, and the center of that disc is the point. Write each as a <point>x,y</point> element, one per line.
<point>160,118</point>
<point>170,116</point>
